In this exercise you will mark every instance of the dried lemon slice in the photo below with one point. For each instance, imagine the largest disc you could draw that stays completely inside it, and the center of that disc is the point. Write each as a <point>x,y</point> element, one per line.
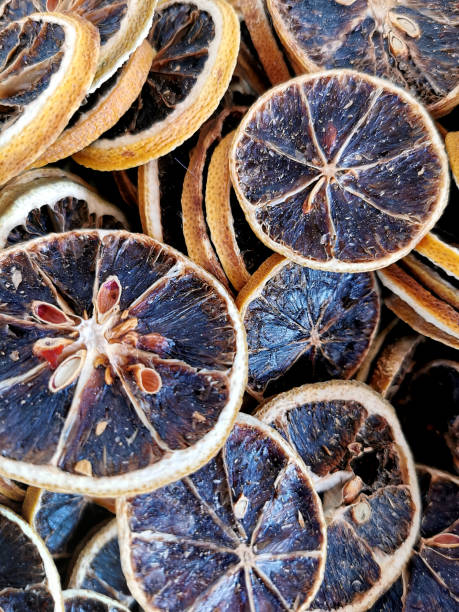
<point>196,44</point>
<point>28,577</point>
<point>47,62</point>
<point>339,171</point>
<point>244,532</point>
<point>305,325</point>
<point>411,43</point>
<point>128,361</point>
<point>351,440</point>
<point>80,600</point>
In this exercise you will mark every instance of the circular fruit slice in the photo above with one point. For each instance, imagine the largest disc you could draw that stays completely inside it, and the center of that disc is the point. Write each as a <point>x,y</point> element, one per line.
<point>305,325</point>
<point>28,577</point>
<point>339,171</point>
<point>98,567</point>
<point>47,62</point>
<point>351,441</point>
<point>103,108</point>
<point>409,42</point>
<point>45,205</point>
<point>79,600</point>
<point>196,44</point>
<point>244,532</point>
<point>128,361</point>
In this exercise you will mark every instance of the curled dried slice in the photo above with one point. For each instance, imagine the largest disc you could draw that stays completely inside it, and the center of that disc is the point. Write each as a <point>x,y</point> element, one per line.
<point>351,441</point>
<point>80,600</point>
<point>304,325</point>
<point>98,567</point>
<point>196,44</point>
<point>440,253</point>
<point>28,577</point>
<point>409,42</point>
<point>128,361</point>
<point>47,62</point>
<point>339,171</point>
<point>452,147</point>
<point>244,532</point>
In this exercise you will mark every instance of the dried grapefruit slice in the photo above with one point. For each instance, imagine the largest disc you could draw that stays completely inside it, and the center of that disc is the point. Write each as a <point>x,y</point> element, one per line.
<point>339,171</point>
<point>409,42</point>
<point>306,325</point>
<point>196,44</point>
<point>80,600</point>
<point>352,443</point>
<point>47,62</point>
<point>128,360</point>
<point>28,577</point>
<point>244,532</point>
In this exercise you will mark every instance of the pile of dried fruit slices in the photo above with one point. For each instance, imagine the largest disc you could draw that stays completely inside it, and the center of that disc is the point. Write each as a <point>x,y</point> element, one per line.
<point>229,305</point>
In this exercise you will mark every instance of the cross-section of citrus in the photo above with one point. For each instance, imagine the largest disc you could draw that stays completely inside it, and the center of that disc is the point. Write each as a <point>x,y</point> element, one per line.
<point>339,171</point>
<point>80,600</point>
<point>196,44</point>
<point>128,361</point>
<point>47,62</point>
<point>28,577</point>
<point>412,43</point>
<point>305,325</point>
<point>244,532</point>
<point>362,468</point>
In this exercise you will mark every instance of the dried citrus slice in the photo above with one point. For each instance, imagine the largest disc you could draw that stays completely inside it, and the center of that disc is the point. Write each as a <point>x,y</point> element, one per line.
<point>128,360</point>
<point>43,206</point>
<point>47,62</point>
<point>351,441</point>
<point>196,44</point>
<point>28,577</point>
<point>11,494</point>
<point>103,108</point>
<point>98,567</point>
<point>409,42</point>
<point>440,253</point>
<point>339,171</point>
<point>80,600</point>
<point>452,148</point>
<point>244,532</point>
<point>305,325</point>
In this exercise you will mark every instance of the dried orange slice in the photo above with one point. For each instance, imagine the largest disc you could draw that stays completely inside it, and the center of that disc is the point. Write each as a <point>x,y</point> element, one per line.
<point>352,443</point>
<point>47,65</point>
<point>305,325</point>
<point>93,320</point>
<point>244,532</point>
<point>440,253</point>
<point>103,108</point>
<point>409,43</point>
<point>98,567</point>
<point>325,181</point>
<point>196,44</point>
<point>28,577</point>
<point>80,600</point>
<point>452,148</point>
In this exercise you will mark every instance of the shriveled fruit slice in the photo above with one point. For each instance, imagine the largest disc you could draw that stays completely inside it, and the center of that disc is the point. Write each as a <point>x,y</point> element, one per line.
<point>37,174</point>
<point>351,441</point>
<point>98,567</point>
<point>47,62</point>
<point>51,205</point>
<point>440,253</point>
<point>452,147</point>
<point>80,600</point>
<point>128,361</point>
<point>244,532</point>
<point>305,325</point>
<point>339,171</point>
<point>103,108</point>
<point>28,577</point>
<point>409,42</point>
<point>196,44</point>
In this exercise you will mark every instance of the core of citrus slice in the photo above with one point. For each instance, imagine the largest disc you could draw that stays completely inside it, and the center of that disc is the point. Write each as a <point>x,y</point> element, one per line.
<point>306,325</point>
<point>339,171</point>
<point>244,532</point>
<point>47,62</point>
<point>409,42</point>
<point>128,361</point>
<point>103,108</point>
<point>196,44</point>
<point>80,600</point>
<point>350,439</point>
<point>51,205</point>
<point>28,577</point>
<point>98,567</point>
